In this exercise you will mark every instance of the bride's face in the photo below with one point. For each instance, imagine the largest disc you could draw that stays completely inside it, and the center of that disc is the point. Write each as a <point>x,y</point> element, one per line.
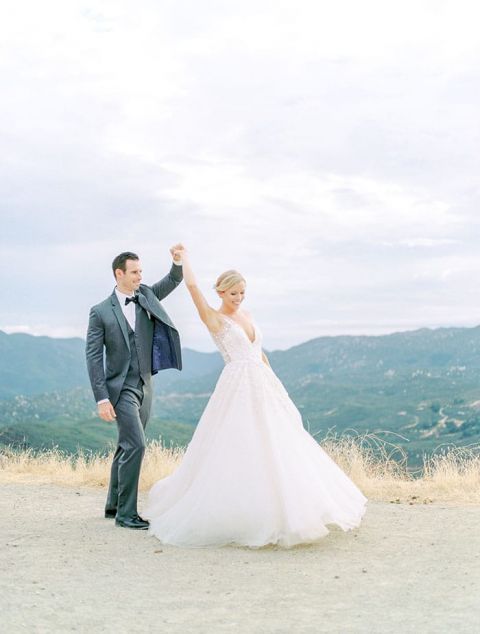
<point>233,296</point>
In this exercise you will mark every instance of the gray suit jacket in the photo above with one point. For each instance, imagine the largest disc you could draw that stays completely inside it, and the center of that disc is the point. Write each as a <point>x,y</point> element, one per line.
<point>108,348</point>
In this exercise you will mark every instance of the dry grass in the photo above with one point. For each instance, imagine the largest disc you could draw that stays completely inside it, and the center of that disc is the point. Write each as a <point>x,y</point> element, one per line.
<point>56,467</point>
<point>378,467</point>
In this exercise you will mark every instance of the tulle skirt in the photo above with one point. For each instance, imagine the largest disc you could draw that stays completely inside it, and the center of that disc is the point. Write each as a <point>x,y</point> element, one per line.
<point>251,474</point>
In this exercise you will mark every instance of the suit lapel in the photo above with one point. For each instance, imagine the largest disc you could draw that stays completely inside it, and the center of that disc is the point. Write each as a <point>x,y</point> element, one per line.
<point>143,302</point>
<point>122,322</point>
<point>153,310</point>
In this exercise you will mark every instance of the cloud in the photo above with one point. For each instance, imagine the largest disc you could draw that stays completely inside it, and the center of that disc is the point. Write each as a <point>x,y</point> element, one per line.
<point>41,330</point>
<point>329,151</point>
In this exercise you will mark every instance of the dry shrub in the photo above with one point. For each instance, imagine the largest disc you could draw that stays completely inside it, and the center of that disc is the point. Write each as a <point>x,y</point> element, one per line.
<point>159,462</point>
<point>380,470</point>
<point>453,473</point>
<point>378,467</point>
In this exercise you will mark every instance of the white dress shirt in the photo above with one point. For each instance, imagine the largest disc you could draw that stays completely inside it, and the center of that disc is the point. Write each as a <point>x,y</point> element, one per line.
<point>128,310</point>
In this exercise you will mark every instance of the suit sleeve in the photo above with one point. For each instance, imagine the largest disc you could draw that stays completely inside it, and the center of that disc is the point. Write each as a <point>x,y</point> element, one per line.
<point>94,354</point>
<point>166,285</point>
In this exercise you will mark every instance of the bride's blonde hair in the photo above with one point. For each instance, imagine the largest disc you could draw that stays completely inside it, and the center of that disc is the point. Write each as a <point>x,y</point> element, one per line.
<point>227,280</point>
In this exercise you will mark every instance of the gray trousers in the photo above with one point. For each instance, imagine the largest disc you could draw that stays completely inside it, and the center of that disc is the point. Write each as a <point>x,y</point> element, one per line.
<point>133,411</point>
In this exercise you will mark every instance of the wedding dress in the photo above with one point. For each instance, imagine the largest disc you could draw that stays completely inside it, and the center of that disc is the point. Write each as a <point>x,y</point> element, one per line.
<point>251,474</point>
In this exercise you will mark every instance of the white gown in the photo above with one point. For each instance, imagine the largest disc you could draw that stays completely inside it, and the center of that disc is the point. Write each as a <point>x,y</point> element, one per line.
<point>251,474</point>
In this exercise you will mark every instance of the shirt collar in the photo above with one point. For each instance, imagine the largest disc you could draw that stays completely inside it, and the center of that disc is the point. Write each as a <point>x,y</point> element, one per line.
<point>122,296</point>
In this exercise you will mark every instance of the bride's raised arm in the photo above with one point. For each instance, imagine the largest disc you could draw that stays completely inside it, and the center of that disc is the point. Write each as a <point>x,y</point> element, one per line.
<point>208,315</point>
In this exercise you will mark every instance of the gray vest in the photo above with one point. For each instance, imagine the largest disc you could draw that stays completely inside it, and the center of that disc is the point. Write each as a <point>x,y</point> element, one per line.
<point>137,354</point>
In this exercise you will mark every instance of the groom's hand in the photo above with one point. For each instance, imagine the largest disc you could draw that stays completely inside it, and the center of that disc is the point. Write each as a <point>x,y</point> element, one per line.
<point>106,411</point>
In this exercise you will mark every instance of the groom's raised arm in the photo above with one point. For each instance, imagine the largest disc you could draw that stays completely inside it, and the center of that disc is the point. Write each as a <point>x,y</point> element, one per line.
<point>94,353</point>
<point>170,282</point>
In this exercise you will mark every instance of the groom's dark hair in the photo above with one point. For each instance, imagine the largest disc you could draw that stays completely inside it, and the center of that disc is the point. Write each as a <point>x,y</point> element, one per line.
<point>120,261</point>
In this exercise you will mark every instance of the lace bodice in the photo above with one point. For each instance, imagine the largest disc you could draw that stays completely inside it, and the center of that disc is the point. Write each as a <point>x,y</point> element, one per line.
<point>234,344</point>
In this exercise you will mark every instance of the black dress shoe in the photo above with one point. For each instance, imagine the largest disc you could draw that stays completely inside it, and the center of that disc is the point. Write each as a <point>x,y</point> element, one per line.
<point>110,513</point>
<point>136,522</point>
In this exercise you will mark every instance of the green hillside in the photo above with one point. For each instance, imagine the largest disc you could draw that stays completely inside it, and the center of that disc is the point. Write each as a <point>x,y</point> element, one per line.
<point>32,365</point>
<point>423,385</point>
<point>68,420</point>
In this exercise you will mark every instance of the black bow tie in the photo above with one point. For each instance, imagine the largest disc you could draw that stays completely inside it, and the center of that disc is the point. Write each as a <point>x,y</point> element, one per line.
<point>133,299</point>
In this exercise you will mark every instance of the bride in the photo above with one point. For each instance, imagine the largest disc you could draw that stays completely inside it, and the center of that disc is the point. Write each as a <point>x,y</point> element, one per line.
<point>251,474</point>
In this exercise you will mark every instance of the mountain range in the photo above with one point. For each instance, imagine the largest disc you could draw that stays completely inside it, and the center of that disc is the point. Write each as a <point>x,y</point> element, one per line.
<point>418,389</point>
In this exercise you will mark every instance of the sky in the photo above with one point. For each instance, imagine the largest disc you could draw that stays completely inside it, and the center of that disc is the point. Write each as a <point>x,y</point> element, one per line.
<point>328,151</point>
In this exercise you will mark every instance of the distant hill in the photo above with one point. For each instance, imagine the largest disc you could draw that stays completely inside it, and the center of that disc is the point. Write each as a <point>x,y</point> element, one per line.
<point>68,421</point>
<point>46,399</point>
<point>32,365</point>
<point>423,385</point>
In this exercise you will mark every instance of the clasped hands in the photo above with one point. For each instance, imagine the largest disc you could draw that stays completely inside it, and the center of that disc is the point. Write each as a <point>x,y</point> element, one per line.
<point>177,251</point>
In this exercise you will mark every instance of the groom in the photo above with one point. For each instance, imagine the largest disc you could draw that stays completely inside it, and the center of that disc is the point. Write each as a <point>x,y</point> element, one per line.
<point>130,337</point>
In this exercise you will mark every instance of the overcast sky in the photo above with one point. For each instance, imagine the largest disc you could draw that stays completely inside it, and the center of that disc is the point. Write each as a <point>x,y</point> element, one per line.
<point>328,150</point>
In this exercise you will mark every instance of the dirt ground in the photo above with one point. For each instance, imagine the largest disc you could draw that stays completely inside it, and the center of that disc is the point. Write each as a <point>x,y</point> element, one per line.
<point>67,569</point>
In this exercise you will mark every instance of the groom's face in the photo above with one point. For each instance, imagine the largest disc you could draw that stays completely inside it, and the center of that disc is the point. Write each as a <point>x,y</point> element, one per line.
<point>129,281</point>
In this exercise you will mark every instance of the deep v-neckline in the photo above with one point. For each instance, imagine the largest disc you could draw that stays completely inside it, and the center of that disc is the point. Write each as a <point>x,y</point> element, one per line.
<point>243,329</point>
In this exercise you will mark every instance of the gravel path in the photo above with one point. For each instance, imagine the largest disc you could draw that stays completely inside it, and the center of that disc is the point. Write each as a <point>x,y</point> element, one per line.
<point>67,569</point>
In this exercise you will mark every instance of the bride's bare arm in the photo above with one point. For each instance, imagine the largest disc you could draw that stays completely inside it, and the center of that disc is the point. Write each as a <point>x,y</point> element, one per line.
<point>208,315</point>
<point>265,359</point>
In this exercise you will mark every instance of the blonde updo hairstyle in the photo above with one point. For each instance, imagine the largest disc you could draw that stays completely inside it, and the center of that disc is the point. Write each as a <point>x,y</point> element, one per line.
<point>228,279</point>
